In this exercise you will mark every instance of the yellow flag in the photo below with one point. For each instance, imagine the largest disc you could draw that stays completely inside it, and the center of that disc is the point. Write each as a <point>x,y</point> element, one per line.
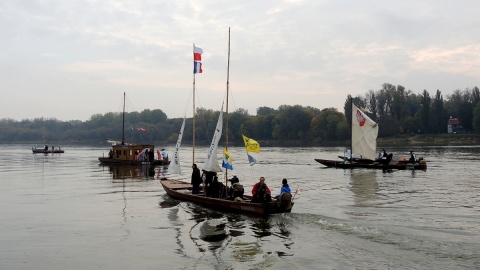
<point>251,145</point>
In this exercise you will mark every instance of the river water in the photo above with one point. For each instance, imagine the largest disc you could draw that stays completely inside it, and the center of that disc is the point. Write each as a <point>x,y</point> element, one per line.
<point>65,211</point>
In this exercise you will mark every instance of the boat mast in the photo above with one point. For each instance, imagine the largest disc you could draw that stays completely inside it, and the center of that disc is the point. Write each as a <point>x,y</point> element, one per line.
<point>226,110</point>
<point>351,127</point>
<point>123,120</point>
<point>193,119</point>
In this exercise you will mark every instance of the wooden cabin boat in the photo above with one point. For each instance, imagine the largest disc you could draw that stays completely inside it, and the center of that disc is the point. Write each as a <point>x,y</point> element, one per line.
<point>132,154</point>
<point>123,153</point>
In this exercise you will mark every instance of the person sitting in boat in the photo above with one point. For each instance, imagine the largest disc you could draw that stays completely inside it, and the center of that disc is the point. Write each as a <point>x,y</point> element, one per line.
<point>110,154</point>
<point>207,179</point>
<point>46,148</point>
<point>236,189</point>
<point>385,158</point>
<point>261,192</point>
<point>196,179</point>
<point>285,188</point>
<point>53,148</point>
<point>216,189</point>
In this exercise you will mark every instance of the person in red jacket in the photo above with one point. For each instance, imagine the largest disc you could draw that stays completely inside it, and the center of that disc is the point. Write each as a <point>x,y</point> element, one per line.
<point>261,192</point>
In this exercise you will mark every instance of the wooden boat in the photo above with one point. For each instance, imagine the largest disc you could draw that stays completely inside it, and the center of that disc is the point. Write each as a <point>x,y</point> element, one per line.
<point>364,144</point>
<point>182,190</point>
<point>123,153</point>
<point>392,165</point>
<point>132,154</point>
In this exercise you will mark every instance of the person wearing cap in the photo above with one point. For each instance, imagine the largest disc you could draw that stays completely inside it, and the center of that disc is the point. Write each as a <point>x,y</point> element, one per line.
<point>236,189</point>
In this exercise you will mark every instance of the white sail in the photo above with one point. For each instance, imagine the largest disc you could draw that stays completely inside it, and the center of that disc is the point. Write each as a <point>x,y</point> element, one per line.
<point>364,134</point>
<point>174,167</point>
<point>211,164</point>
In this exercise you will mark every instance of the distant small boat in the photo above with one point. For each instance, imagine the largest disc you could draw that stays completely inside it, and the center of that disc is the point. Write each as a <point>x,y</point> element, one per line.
<point>47,150</point>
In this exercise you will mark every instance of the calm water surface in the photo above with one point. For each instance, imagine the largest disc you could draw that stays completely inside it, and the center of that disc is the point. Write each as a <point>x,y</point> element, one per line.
<point>65,211</point>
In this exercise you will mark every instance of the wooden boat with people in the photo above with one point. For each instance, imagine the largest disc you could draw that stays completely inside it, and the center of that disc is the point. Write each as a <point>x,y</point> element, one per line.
<point>392,165</point>
<point>364,147</point>
<point>213,193</point>
<point>123,153</point>
<point>132,154</point>
<point>182,190</point>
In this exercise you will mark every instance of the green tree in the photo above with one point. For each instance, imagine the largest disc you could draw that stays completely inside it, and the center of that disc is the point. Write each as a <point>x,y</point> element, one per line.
<point>476,118</point>
<point>425,111</point>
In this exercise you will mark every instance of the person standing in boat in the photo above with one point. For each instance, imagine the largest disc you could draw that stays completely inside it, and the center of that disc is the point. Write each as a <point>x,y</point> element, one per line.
<point>196,179</point>
<point>164,155</point>
<point>413,157</point>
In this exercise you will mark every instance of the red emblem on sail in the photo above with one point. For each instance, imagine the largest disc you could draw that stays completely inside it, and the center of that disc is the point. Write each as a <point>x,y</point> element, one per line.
<point>361,120</point>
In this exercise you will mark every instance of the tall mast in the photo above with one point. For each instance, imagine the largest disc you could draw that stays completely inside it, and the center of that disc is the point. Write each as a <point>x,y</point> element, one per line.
<point>193,119</point>
<point>123,120</point>
<point>226,110</point>
<point>351,126</point>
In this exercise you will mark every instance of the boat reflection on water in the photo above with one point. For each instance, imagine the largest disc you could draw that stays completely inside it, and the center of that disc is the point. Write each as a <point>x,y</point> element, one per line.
<point>144,172</point>
<point>364,187</point>
<point>202,232</point>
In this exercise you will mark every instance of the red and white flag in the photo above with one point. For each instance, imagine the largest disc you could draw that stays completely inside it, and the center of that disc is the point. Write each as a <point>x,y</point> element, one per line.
<point>197,60</point>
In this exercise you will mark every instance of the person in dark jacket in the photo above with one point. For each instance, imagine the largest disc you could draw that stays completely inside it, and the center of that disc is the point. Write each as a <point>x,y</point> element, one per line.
<point>207,179</point>
<point>196,179</point>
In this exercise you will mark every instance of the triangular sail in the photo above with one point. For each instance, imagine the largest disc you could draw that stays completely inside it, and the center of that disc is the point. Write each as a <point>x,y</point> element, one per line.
<point>211,164</point>
<point>364,134</point>
<point>174,167</point>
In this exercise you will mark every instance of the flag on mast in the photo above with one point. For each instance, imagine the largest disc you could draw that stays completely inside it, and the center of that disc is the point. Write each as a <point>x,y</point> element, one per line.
<point>227,160</point>
<point>251,145</point>
<point>197,59</point>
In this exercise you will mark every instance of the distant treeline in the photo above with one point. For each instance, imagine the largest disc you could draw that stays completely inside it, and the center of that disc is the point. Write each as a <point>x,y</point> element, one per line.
<point>398,111</point>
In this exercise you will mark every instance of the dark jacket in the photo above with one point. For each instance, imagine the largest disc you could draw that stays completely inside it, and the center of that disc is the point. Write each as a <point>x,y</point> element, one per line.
<point>196,178</point>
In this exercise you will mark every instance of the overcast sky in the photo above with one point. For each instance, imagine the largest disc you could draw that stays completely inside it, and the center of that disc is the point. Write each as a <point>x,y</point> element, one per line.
<point>72,59</point>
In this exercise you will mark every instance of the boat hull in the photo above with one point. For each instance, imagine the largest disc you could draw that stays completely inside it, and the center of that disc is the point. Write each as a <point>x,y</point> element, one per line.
<point>181,190</point>
<point>111,161</point>
<point>42,151</point>
<point>393,165</point>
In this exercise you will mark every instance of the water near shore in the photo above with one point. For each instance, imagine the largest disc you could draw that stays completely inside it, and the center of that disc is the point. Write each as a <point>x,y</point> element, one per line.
<point>65,211</point>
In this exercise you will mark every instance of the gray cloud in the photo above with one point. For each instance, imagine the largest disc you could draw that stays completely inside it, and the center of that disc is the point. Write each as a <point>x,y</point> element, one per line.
<point>72,59</point>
